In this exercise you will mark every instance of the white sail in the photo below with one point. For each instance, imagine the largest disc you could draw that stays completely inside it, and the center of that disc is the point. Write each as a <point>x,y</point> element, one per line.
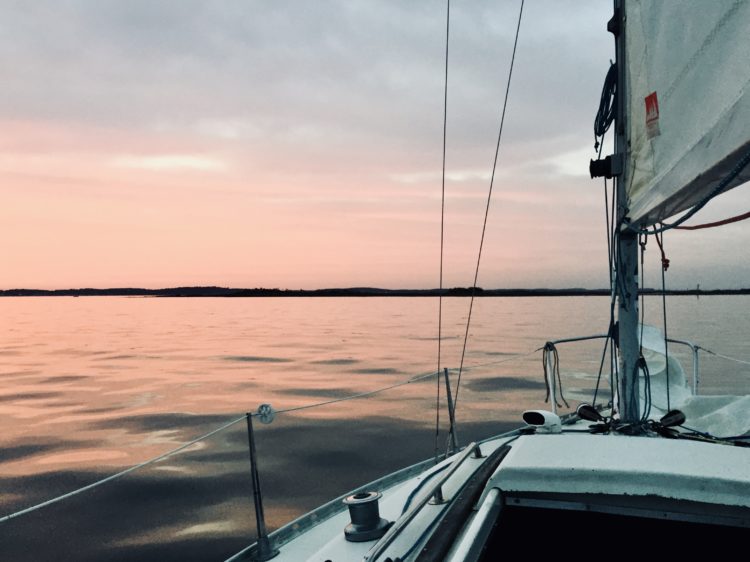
<point>687,74</point>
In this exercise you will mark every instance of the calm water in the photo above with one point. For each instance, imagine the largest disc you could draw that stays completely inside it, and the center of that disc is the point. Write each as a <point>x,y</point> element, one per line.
<point>93,385</point>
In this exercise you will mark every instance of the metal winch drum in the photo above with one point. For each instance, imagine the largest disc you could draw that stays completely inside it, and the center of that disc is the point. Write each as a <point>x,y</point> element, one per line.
<point>366,525</point>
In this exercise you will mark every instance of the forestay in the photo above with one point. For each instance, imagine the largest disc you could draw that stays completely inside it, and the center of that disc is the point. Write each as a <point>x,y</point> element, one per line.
<point>688,104</point>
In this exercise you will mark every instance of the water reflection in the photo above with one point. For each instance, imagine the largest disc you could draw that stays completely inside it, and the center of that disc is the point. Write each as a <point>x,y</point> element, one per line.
<point>93,385</point>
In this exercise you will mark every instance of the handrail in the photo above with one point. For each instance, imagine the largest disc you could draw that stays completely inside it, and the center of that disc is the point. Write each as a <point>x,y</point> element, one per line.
<point>406,518</point>
<point>696,372</point>
<point>694,348</point>
<point>580,338</point>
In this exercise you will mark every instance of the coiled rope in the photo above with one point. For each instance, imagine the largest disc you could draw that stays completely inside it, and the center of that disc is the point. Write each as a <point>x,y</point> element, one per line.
<point>552,359</point>
<point>607,107</point>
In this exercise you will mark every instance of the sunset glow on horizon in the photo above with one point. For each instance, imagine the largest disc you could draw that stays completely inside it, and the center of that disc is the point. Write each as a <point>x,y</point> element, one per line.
<point>299,145</point>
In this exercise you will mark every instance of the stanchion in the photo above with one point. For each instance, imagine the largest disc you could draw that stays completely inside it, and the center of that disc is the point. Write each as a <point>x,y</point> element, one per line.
<point>265,551</point>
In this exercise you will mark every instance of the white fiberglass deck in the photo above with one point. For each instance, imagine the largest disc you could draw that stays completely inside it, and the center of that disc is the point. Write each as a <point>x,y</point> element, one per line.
<point>627,465</point>
<point>548,466</point>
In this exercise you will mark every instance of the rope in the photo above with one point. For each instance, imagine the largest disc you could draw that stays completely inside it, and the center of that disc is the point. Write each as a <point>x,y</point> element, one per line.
<point>442,231</point>
<point>607,107</point>
<point>122,472</point>
<point>664,267</point>
<point>664,261</point>
<point>487,208</point>
<point>549,378</point>
<point>730,220</point>
<point>643,365</point>
<point>723,184</point>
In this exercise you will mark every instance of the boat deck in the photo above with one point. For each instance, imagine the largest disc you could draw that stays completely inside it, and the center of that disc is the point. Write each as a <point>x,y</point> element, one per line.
<point>559,484</point>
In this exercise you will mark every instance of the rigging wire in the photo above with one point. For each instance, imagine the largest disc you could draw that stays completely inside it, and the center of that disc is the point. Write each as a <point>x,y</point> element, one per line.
<point>609,230</point>
<point>487,208</point>
<point>617,290</point>
<point>609,235</point>
<point>742,362</point>
<point>442,233</point>
<point>664,266</point>
<point>122,472</point>
<point>609,341</point>
<point>642,242</point>
<point>601,367</point>
<point>614,374</point>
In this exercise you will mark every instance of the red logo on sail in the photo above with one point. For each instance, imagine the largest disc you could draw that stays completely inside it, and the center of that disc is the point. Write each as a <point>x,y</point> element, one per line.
<point>652,115</point>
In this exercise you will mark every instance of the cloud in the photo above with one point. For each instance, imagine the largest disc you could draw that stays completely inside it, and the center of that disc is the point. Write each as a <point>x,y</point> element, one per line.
<point>305,131</point>
<point>228,129</point>
<point>170,162</point>
<point>453,176</point>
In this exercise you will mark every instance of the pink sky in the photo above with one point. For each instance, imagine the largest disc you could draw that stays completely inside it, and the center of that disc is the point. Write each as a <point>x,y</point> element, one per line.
<point>185,144</point>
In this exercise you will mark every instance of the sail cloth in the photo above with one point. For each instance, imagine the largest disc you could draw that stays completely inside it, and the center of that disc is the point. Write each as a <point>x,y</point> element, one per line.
<point>721,416</point>
<point>688,102</point>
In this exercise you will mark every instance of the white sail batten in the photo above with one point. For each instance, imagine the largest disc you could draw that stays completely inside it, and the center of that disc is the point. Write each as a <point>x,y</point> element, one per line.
<point>688,102</point>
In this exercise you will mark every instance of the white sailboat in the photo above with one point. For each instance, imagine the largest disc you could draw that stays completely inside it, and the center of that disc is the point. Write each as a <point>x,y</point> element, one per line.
<point>630,476</point>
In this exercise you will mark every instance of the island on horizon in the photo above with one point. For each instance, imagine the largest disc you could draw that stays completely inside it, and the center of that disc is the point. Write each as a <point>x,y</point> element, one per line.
<point>212,291</point>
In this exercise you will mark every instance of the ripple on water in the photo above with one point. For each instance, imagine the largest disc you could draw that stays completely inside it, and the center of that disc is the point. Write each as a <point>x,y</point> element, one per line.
<point>377,371</point>
<point>347,361</point>
<point>80,456</point>
<point>256,359</point>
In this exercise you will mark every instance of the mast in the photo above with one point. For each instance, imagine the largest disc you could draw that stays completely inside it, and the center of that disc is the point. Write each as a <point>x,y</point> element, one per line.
<point>626,242</point>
